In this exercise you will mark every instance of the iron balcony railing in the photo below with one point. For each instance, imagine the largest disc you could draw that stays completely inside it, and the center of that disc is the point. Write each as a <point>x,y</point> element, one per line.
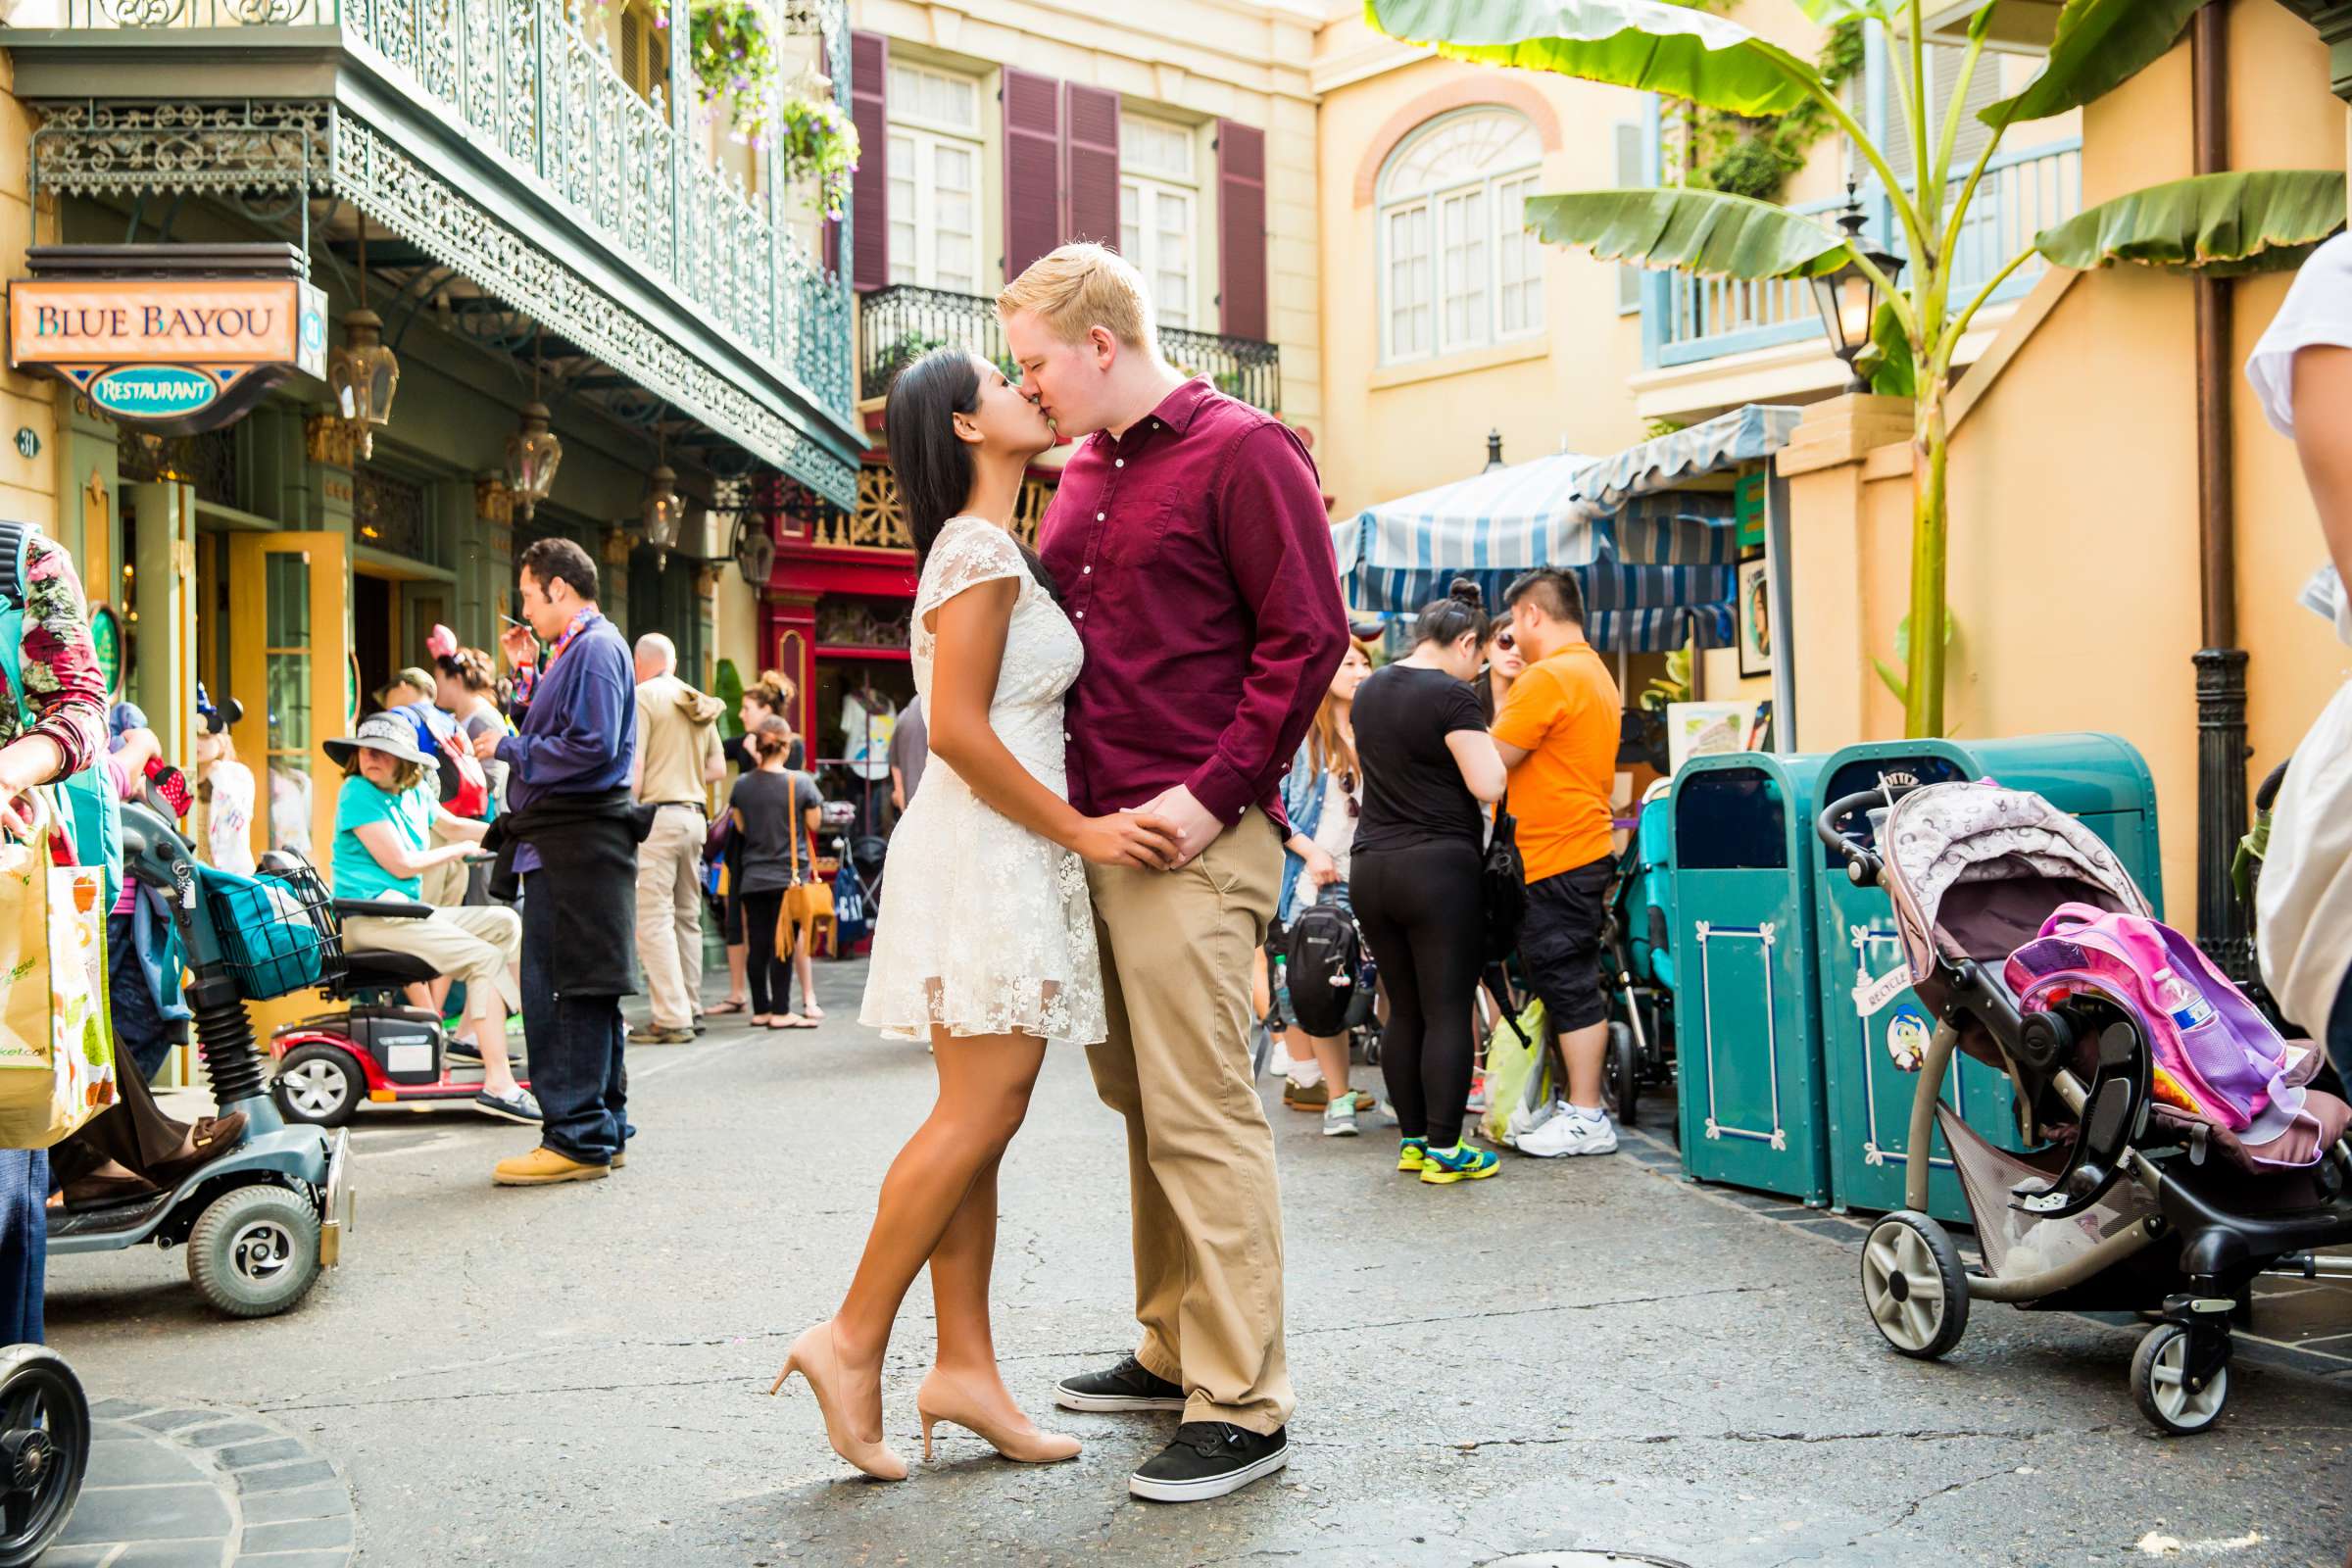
<point>537,90</point>
<point>1687,319</point>
<point>900,324</point>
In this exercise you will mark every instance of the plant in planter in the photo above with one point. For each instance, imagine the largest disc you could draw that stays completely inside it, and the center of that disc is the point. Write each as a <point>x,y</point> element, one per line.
<point>737,67</point>
<point>815,141</point>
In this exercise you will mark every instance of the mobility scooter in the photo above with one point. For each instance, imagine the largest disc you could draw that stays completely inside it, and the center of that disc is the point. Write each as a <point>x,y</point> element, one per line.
<point>378,1050</point>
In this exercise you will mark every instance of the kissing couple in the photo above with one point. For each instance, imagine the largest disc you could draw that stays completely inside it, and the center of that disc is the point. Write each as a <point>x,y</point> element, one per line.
<point>1094,856</point>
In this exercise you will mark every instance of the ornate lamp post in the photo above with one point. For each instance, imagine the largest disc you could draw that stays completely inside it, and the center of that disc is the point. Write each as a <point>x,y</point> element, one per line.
<point>1849,298</point>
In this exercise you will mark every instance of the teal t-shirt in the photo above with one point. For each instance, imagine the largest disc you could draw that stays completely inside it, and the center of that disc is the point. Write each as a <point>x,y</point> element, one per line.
<point>411,813</point>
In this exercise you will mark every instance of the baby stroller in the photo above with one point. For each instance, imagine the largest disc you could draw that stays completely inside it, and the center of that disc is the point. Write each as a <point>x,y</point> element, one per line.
<point>1638,969</point>
<point>2129,1204</point>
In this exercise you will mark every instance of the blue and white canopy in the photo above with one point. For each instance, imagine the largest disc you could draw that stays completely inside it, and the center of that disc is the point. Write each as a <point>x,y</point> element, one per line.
<point>1657,563</point>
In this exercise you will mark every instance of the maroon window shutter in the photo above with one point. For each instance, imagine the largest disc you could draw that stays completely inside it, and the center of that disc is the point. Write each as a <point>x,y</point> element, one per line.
<point>1032,204</point>
<point>869,75</point>
<point>1242,228</point>
<point>1093,118</point>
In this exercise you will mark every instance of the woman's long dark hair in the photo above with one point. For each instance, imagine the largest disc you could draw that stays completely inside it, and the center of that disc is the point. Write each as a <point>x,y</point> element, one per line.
<point>1463,609</point>
<point>934,468</point>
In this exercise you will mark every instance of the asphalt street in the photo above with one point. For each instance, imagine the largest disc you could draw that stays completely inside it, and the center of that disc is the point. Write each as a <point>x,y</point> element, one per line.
<point>1586,1355</point>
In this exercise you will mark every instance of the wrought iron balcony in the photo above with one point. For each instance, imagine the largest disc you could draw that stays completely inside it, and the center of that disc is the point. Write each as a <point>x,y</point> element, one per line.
<point>499,134</point>
<point>900,324</point>
<point>1686,320</point>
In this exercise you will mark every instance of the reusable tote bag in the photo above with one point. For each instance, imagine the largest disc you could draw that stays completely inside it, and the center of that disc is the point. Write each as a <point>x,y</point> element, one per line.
<point>57,1055</point>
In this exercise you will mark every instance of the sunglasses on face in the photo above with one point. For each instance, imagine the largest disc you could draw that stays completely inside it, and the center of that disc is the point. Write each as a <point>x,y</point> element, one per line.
<point>1506,641</point>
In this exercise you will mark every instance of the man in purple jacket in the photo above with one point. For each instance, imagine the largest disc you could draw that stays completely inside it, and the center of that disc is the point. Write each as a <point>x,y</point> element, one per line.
<point>1190,548</point>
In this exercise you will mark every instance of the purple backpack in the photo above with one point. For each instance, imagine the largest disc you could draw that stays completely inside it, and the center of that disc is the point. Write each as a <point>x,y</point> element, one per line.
<point>2216,1058</point>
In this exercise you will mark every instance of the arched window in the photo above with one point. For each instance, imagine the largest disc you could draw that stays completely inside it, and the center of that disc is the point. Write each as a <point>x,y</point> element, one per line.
<point>1456,271</point>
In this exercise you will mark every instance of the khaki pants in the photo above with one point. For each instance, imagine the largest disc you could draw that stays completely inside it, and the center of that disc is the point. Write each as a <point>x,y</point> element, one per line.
<point>444,886</point>
<point>1207,1212</point>
<point>478,943</point>
<point>670,914</point>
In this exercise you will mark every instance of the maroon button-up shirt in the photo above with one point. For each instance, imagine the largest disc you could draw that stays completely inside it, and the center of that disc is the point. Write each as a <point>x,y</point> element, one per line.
<point>1194,559</point>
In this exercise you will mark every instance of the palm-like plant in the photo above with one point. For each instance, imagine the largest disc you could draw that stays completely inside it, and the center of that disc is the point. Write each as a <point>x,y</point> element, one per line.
<point>2234,222</point>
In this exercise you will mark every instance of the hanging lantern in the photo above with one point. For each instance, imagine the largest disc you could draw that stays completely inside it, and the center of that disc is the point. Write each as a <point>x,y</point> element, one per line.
<point>665,512</point>
<point>533,454</point>
<point>364,377</point>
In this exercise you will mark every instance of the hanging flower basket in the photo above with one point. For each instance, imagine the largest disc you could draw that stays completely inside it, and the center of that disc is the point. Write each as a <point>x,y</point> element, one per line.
<point>815,141</point>
<point>738,69</point>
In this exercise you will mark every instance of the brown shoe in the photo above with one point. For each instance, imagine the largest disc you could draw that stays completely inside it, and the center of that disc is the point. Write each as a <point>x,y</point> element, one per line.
<point>212,1137</point>
<point>544,1167</point>
<point>661,1037</point>
<point>1313,1097</point>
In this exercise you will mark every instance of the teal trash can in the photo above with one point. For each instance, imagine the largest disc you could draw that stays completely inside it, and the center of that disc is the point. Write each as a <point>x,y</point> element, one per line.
<point>1747,1010</point>
<point>2100,779</point>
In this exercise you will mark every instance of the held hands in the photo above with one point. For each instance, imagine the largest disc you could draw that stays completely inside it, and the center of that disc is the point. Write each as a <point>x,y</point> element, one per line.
<point>1127,838</point>
<point>1193,826</point>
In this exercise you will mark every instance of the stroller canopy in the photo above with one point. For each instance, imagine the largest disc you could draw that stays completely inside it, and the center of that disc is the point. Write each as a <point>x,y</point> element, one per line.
<point>1981,867</point>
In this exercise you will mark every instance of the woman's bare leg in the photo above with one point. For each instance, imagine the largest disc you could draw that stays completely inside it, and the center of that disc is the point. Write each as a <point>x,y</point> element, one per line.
<point>1332,1052</point>
<point>984,1085</point>
<point>739,986</point>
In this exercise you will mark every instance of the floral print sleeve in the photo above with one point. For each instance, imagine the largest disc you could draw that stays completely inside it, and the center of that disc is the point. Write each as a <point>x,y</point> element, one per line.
<point>58,660</point>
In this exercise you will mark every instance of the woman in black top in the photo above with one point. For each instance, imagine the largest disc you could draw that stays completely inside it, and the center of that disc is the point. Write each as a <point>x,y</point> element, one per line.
<point>1428,765</point>
<point>770,804</point>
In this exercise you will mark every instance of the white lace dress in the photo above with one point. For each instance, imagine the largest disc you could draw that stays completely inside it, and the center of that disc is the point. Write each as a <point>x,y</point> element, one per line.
<point>986,928</point>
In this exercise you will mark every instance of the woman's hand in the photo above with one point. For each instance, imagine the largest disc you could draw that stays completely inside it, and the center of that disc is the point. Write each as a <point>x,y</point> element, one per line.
<point>1127,838</point>
<point>1321,868</point>
<point>17,818</point>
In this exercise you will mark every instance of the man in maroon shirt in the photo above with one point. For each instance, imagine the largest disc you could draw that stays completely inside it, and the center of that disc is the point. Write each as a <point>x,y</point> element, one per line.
<point>1189,546</point>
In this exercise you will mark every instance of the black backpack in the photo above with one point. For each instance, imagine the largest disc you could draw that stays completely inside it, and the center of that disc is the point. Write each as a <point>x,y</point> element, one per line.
<point>1503,886</point>
<point>1324,969</point>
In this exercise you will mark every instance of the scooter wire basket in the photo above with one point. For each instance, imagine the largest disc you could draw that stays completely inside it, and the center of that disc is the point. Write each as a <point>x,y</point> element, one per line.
<point>277,930</point>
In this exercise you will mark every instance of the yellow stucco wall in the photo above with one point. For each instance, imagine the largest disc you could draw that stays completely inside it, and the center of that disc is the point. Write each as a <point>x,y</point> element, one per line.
<point>1387,433</point>
<point>28,486</point>
<point>2074,549</point>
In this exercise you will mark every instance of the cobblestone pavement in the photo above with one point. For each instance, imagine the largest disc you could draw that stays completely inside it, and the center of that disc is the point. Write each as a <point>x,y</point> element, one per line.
<point>1580,1355</point>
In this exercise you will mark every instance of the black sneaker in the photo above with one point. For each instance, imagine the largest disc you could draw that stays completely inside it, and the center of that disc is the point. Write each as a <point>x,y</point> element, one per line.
<point>1209,1459</point>
<point>1126,1387</point>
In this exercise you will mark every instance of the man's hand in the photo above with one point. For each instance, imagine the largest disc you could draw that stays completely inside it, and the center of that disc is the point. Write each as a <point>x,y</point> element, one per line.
<point>520,645</point>
<point>1196,828</point>
<point>485,744</point>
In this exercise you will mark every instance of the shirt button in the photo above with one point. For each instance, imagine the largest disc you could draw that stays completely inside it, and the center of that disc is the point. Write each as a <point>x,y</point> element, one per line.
<point>1097,516</point>
<point>1118,463</point>
<point>1082,615</point>
<point>1085,571</point>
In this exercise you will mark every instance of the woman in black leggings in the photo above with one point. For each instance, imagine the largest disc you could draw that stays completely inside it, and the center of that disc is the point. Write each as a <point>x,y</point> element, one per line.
<point>1428,766</point>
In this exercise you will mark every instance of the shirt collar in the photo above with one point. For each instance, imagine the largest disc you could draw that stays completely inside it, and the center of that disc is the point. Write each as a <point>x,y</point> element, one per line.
<point>1175,411</point>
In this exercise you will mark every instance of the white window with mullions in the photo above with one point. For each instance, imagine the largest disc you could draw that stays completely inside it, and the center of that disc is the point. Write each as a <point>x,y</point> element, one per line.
<point>1457,270</point>
<point>935,187</point>
<point>1159,199</point>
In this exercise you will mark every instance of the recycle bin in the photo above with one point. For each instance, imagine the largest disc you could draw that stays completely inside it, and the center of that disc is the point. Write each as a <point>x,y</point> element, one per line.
<point>2100,779</point>
<point>1747,997</point>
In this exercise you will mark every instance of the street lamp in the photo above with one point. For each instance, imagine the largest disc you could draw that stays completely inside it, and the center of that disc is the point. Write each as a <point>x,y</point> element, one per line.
<point>1849,298</point>
<point>1493,452</point>
<point>664,513</point>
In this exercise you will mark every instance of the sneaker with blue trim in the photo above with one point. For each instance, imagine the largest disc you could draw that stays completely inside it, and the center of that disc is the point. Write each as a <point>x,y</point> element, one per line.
<point>1461,1163</point>
<point>1413,1154</point>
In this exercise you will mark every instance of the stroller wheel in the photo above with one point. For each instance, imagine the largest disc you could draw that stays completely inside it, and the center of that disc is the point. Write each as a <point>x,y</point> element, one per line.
<point>1913,1284</point>
<point>2162,1378</point>
<point>1620,1075</point>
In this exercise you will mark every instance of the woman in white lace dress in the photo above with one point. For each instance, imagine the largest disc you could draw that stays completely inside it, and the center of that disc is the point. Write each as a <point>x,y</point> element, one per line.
<point>985,942</point>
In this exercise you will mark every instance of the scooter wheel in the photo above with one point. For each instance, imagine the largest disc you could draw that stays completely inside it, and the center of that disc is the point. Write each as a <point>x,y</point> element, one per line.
<point>1914,1286</point>
<point>2160,1383</point>
<point>253,1252</point>
<point>1620,1075</point>
<point>318,1085</point>
<point>44,1449</point>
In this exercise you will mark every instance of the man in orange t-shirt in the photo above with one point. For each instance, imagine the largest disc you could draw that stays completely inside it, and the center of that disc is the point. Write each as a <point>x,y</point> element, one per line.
<point>1557,733</point>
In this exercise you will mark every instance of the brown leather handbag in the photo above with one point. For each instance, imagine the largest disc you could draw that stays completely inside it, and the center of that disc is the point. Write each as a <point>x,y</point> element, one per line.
<point>805,904</point>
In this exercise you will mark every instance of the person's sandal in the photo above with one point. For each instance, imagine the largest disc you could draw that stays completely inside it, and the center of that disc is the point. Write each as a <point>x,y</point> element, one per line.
<point>212,1137</point>
<point>725,1008</point>
<point>96,1191</point>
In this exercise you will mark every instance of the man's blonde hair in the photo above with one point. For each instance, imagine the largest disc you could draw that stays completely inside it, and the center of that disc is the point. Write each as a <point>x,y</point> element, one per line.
<point>1080,287</point>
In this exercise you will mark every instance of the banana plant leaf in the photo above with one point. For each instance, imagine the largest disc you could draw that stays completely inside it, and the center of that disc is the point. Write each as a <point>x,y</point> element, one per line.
<point>2099,45</point>
<point>1633,44</point>
<point>2251,220</point>
<point>1709,233</point>
<point>1886,363</point>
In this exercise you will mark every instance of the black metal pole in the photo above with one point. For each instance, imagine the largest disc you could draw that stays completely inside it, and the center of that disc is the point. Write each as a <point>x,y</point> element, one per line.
<point>2223,927</point>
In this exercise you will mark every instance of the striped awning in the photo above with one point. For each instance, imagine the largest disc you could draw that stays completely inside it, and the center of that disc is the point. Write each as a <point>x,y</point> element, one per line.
<point>1744,435</point>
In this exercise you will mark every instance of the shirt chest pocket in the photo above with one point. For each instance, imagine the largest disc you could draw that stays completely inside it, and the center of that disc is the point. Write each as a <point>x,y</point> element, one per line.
<point>1138,520</point>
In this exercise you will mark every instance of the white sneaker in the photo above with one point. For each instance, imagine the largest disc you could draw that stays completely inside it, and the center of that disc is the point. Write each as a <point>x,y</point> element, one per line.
<point>1524,1120</point>
<point>1569,1131</point>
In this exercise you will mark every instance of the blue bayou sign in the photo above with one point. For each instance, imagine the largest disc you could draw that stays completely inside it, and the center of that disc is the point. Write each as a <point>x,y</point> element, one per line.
<point>185,349</point>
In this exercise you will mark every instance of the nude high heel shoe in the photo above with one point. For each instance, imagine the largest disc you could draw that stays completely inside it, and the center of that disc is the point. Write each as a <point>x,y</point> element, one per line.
<point>943,1398</point>
<point>814,1358</point>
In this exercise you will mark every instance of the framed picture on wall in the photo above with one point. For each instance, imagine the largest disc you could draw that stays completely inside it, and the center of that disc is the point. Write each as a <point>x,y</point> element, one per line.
<point>1754,610</point>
